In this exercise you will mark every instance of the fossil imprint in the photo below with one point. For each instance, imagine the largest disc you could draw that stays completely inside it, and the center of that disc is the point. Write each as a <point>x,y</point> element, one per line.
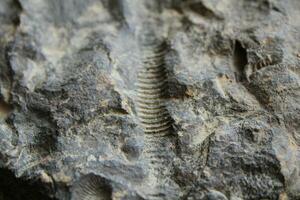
<point>265,55</point>
<point>152,89</point>
<point>92,187</point>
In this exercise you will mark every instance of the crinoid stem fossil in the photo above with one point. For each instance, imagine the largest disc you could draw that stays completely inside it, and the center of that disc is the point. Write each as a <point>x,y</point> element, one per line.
<point>152,92</point>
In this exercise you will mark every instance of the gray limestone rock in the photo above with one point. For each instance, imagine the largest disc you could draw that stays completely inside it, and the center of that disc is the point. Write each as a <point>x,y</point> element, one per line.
<point>68,92</point>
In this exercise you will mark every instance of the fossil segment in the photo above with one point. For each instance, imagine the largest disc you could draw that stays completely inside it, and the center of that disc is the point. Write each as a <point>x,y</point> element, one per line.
<point>152,90</point>
<point>159,152</point>
<point>261,63</point>
<point>92,187</point>
<point>154,116</point>
<point>269,53</point>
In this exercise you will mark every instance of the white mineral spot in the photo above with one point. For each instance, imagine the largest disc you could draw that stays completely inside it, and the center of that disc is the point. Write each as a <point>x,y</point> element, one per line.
<point>91,158</point>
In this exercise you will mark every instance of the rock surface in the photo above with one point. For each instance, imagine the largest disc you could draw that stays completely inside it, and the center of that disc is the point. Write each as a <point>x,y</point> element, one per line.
<point>68,72</point>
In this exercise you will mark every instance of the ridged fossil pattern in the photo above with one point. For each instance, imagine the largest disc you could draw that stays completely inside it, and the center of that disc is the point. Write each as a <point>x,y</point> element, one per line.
<point>266,55</point>
<point>152,91</point>
<point>253,67</point>
<point>159,152</point>
<point>263,63</point>
<point>92,187</point>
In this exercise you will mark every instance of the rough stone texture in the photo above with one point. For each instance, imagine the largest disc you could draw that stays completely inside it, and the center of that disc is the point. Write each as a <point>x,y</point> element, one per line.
<point>68,72</point>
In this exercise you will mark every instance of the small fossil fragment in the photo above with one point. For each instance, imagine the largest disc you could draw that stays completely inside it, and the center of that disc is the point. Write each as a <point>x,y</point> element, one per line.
<point>158,150</point>
<point>92,187</point>
<point>269,53</point>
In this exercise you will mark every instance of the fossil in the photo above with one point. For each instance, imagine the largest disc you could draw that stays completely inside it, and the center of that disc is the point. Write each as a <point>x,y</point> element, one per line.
<point>92,187</point>
<point>152,90</point>
<point>269,53</point>
<point>158,150</point>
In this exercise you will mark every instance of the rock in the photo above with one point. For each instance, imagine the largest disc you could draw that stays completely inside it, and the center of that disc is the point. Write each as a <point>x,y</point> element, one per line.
<point>215,195</point>
<point>68,75</point>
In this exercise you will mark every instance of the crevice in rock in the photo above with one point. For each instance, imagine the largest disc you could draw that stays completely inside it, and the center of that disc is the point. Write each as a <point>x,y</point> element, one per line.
<point>240,61</point>
<point>12,188</point>
<point>202,10</point>
<point>116,10</point>
<point>10,13</point>
<point>16,20</point>
<point>10,123</point>
<point>248,61</point>
<point>5,108</point>
<point>6,77</point>
<point>45,142</point>
<point>118,111</point>
<point>177,90</point>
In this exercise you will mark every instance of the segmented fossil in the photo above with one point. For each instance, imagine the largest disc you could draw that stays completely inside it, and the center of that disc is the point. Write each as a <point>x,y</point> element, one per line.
<point>268,60</point>
<point>266,55</point>
<point>159,151</point>
<point>92,187</point>
<point>152,91</point>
